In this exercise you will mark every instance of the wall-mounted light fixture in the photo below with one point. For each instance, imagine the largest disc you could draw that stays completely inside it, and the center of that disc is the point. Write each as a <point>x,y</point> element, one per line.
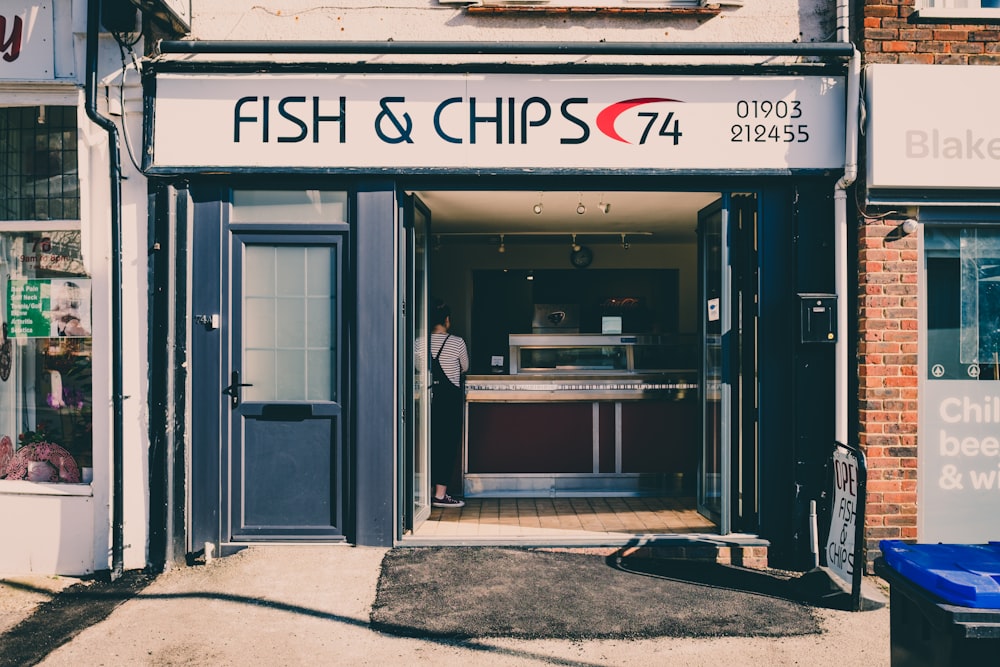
<point>625,244</point>
<point>502,248</point>
<point>575,245</point>
<point>604,206</point>
<point>530,276</point>
<point>537,208</point>
<point>909,226</point>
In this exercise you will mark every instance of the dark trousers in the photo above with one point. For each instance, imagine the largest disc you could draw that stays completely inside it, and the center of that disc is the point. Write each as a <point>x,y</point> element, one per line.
<point>446,431</point>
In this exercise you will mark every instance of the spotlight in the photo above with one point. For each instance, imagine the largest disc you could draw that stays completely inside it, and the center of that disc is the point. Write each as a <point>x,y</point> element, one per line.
<point>605,207</point>
<point>909,226</point>
<point>531,275</point>
<point>625,244</point>
<point>502,247</point>
<point>581,209</point>
<point>575,245</point>
<point>537,208</point>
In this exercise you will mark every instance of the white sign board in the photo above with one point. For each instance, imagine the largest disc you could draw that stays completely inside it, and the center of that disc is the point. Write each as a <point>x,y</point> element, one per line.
<point>26,41</point>
<point>503,121</point>
<point>843,518</point>
<point>959,473</point>
<point>932,127</point>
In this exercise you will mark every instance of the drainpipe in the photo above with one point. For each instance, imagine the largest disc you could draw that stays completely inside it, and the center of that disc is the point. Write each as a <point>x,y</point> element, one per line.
<point>114,176</point>
<point>841,224</point>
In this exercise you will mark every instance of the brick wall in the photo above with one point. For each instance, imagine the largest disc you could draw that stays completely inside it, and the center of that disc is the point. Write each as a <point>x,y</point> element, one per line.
<point>889,36</point>
<point>887,378</point>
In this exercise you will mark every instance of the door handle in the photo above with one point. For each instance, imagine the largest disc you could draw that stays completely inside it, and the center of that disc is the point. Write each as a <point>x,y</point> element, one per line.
<point>233,390</point>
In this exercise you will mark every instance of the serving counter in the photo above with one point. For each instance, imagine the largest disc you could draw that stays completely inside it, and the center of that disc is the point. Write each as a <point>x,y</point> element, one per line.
<point>577,417</point>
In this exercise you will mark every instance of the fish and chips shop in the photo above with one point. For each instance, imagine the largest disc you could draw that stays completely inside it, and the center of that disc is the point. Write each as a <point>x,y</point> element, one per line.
<point>642,265</point>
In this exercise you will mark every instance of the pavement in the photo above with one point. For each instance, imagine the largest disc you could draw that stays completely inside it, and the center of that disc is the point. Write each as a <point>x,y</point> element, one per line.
<point>306,605</point>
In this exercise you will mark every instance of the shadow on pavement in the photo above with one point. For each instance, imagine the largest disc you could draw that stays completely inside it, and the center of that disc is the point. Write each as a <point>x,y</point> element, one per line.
<point>66,615</point>
<point>816,588</point>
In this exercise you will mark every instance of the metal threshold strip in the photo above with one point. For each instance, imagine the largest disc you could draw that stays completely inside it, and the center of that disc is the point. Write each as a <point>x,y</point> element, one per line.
<point>820,49</point>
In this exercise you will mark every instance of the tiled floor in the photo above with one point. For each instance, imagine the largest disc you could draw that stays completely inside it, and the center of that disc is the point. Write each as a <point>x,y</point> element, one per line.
<point>565,518</point>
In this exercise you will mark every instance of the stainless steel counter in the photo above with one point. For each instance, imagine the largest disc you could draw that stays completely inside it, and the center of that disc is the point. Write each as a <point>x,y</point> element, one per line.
<point>675,385</point>
<point>554,434</point>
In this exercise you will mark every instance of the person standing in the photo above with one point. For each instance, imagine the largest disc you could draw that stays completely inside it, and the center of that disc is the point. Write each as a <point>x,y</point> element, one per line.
<point>449,361</point>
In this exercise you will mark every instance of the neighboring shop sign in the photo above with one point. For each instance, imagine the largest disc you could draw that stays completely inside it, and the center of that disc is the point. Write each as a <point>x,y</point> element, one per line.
<point>511,121</point>
<point>931,127</point>
<point>48,308</point>
<point>26,41</point>
<point>959,461</point>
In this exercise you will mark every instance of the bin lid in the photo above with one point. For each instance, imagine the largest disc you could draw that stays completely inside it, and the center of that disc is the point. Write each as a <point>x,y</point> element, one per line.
<point>962,574</point>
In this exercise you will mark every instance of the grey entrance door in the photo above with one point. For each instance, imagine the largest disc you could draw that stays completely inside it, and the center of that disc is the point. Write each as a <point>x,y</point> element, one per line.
<point>283,388</point>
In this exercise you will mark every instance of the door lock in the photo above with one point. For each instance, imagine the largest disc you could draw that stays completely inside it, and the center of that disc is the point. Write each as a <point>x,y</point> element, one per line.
<point>234,390</point>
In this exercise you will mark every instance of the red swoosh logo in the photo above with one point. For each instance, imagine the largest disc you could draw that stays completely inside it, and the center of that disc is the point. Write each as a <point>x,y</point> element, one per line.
<point>609,115</point>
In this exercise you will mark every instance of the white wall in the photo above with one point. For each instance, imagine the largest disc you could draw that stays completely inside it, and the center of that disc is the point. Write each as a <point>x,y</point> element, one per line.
<point>428,20</point>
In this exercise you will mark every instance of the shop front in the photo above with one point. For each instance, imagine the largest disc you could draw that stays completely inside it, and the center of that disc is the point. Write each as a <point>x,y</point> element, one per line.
<point>936,167</point>
<point>63,509</point>
<point>633,259</point>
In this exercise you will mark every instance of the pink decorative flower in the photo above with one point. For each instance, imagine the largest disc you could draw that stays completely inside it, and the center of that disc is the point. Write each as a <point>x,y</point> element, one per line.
<point>60,465</point>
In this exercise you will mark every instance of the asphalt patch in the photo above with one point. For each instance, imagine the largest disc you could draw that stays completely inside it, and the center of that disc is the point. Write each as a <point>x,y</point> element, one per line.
<point>66,615</point>
<point>470,592</point>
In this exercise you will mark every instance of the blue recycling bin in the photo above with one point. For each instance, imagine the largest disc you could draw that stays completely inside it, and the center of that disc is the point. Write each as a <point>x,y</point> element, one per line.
<point>944,603</point>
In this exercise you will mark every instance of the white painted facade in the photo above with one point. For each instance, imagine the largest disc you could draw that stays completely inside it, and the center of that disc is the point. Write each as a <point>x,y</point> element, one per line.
<point>53,528</point>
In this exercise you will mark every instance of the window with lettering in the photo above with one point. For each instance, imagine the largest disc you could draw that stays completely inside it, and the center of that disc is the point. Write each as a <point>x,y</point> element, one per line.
<point>963,302</point>
<point>46,391</point>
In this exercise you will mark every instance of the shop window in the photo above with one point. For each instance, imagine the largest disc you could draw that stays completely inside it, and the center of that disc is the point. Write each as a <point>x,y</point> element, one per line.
<point>963,303</point>
<point>46,395</point>
<point>38,163</point>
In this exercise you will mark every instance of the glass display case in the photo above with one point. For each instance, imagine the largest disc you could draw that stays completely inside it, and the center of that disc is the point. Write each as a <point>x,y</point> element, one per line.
<point>592,353</point>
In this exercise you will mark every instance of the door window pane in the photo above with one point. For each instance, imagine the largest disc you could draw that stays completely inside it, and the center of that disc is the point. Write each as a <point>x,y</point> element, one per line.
<point>270,206</point>
<point>289,327</point>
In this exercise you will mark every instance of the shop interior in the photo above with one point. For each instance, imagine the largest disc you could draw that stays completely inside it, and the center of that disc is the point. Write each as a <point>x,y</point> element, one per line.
<point>580,310</point>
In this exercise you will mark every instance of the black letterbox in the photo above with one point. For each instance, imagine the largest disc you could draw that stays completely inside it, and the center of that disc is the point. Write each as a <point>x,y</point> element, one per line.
<point>818,317</point>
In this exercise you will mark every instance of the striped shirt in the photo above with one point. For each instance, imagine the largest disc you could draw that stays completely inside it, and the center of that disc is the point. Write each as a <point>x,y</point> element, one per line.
<point>454,356</point>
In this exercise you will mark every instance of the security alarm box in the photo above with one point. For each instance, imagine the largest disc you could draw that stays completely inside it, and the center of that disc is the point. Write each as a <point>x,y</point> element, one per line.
<point>818,317</point>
